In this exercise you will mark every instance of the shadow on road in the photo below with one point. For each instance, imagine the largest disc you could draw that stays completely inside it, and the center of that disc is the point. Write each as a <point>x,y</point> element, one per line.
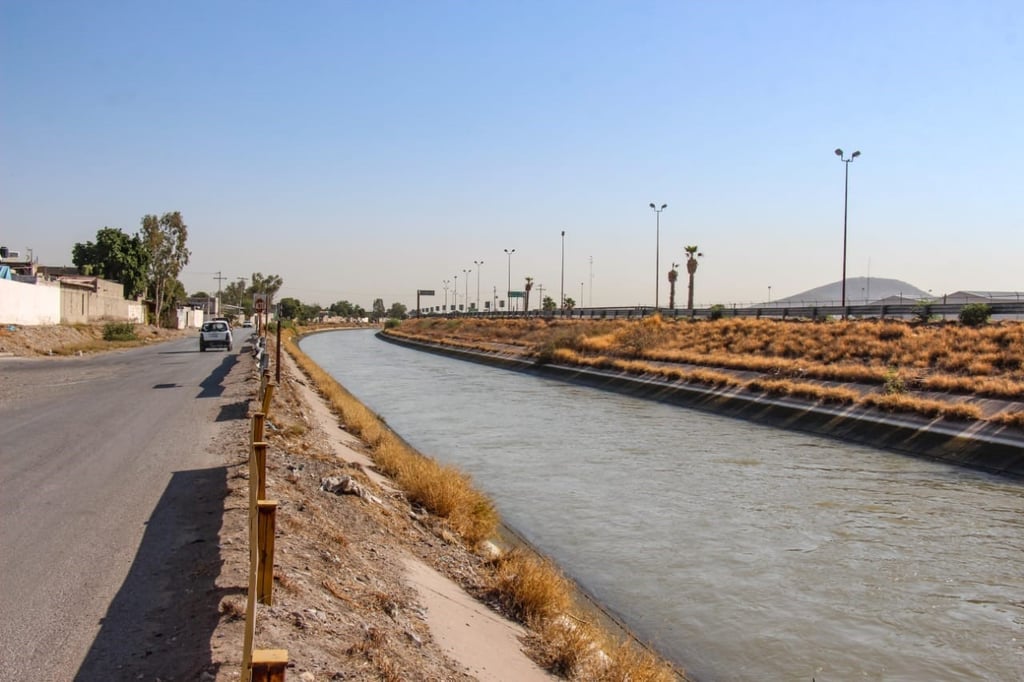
<point>232,411</point>
<point>160,622</point>
<point>213,385</point>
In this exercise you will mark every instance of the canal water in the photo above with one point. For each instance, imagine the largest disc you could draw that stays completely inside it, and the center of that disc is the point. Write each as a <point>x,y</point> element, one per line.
<point>739,551</point>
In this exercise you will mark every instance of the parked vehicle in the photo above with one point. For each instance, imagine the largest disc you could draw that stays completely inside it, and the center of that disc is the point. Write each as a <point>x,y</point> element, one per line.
<point>216,334</point>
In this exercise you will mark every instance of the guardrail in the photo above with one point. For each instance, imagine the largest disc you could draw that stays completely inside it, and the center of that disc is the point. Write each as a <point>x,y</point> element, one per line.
<point>809,311</point>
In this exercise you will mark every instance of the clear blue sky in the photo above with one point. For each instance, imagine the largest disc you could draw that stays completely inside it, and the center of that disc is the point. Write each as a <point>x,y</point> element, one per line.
<point>368,149</point>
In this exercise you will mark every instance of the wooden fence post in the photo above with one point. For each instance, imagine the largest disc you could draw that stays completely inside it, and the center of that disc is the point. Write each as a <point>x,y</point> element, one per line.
<point>268,395</point>
<point>259,453</point>
<point>259,421</point>
<point>267,523</point>
<point>268,665</point>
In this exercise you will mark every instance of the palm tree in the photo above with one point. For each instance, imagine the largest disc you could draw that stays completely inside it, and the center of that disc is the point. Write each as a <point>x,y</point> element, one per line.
<point>529,285</point>
<point>569,304</point>
<point>691,267</point>
<point>673,275</point>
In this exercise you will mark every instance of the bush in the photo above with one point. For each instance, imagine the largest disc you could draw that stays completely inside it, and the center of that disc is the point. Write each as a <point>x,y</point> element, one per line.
<point>717,312</point>
<point>975,314</point>
<point>391,323</point>
<point>119,331</point>
<point>922,312</point>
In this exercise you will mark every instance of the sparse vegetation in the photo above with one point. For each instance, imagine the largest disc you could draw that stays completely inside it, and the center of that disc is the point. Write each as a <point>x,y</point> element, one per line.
<point>925,364</point>
<point>975,314</point>
<point>526,585</point>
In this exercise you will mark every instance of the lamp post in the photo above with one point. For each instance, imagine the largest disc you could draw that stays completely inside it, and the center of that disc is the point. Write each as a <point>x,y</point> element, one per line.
<point>657,245</point>
<point>508,291</point>
<point>769,294</point>
<point>581,294</point>
<point>466,273</point>
<point>478,263</point>
<point>446,282</point>
<point>455,293</point>
<point>562,292</point>
<point>846,196</point>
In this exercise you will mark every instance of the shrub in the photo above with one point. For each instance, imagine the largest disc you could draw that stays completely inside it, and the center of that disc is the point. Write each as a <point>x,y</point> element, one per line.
<point>391,323</point>
<point>922,312</point>
<point>975,314</point>
<point>119,331</point>
<point>717,312</point>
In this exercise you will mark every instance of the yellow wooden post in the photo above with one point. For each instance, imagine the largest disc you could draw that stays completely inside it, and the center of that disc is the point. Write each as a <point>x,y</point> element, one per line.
<point>259,453</point>
<point>254,555</point>
<point>259,421</point>
<point>267,523</point>
<point>268,395</point>
<point>269,665</point>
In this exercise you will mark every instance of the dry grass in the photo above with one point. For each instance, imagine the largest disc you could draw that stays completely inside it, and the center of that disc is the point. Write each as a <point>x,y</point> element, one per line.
<point>795,357</point>
<point>530,587</point>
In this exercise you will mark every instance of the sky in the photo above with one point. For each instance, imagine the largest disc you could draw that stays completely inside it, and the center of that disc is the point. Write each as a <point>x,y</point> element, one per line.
<point>365,150</point>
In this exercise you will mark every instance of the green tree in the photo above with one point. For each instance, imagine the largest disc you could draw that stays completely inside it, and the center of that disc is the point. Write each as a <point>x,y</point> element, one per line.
<point>165,239</point>
<point>397,311</point>
<point>343,309</point>
<point>289,308</point>
<point>267,285</point>
<point>235,294</point>
<point>548,304</point>
<point>115,256</point>
<point>569,303</point>
<point>378,309</point>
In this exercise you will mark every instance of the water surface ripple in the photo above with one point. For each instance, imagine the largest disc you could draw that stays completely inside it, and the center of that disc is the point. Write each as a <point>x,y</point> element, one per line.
<point>739,551</point>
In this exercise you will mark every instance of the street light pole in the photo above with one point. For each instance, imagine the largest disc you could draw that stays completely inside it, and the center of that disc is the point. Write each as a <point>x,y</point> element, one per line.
<point>446,282</point>
<point>562,293</point>
<point>455,293</point>
<point>466,273</point>
<point>478,263</point>
<point>846,196</point>
<point>657,246</point>
<point>508,291</point>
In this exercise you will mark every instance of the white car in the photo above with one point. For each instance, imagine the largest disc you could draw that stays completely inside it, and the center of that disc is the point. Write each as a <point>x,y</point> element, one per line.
<point>215,334</point>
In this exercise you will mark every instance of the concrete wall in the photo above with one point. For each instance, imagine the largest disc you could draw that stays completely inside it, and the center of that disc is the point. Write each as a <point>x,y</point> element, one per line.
<point>81,304</point>
<point>29,304</point>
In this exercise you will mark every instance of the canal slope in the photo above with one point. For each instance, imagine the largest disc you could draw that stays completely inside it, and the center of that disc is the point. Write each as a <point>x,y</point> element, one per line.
<point>977,445</point>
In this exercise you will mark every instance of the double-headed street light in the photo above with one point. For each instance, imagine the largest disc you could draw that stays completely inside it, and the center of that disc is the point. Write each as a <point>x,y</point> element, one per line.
<point>846,195</point>
<point>478,263</point>
<point>508,292</point>
<point>446,282</point>
<point>466,273</point>
<point>657,245</point>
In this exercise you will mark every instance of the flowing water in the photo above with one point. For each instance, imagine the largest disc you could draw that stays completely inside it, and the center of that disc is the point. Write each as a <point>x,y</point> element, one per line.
<point>739,551</point>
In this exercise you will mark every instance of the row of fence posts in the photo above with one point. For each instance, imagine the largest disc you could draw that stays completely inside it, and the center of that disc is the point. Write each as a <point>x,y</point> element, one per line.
<point>261,665</point>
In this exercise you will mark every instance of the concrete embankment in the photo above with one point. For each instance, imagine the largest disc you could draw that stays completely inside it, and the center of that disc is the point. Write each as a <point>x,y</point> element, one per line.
<point>977,445</point>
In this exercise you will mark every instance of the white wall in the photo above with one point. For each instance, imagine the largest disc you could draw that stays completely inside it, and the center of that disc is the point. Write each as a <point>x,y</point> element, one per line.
<point>29,304</point>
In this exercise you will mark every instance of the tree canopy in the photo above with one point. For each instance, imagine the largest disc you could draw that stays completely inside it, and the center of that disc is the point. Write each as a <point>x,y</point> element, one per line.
<point>164,238</point>
<point>115,256</point>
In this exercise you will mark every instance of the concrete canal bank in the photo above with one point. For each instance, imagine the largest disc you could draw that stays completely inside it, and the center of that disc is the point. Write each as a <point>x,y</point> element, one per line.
<point>977,445</point>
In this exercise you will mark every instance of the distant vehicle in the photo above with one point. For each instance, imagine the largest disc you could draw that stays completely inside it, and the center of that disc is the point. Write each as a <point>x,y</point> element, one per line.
<point>247,323</point>
<point>216,334</point>
<point>223,319</point>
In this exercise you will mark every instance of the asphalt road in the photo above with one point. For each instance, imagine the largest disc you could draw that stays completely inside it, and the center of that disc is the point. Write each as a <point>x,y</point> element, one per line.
<point>107,485</point>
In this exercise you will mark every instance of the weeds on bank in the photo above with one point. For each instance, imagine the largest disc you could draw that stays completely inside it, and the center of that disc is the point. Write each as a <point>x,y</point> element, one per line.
<point>530,587</point>
<point>897,357</point>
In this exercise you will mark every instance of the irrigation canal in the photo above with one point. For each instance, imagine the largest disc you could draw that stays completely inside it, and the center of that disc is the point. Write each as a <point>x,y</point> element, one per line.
<point>739,551</point>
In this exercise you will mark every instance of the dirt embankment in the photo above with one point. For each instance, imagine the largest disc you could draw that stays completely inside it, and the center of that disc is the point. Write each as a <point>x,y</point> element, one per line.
<point>73,339</point>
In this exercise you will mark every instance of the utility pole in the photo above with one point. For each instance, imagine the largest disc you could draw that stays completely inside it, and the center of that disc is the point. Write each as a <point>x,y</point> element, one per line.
<point>591,281</point>
<point>220,278</point>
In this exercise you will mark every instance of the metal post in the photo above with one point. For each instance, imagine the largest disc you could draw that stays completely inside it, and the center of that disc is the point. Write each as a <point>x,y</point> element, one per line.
<point>657,248</point>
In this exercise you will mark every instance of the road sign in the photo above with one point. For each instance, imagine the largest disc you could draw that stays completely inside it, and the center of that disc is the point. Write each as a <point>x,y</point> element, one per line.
<point>425,292</point>
<point>261,303</point>
<point>517,294</point>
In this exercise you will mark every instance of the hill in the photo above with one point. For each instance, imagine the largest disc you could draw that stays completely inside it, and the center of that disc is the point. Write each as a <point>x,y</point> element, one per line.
<point>859,290</point>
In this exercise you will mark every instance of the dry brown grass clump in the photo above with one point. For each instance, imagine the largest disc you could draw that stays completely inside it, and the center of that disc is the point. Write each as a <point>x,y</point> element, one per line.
<point>528,586</point>
<point>794,356</point>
